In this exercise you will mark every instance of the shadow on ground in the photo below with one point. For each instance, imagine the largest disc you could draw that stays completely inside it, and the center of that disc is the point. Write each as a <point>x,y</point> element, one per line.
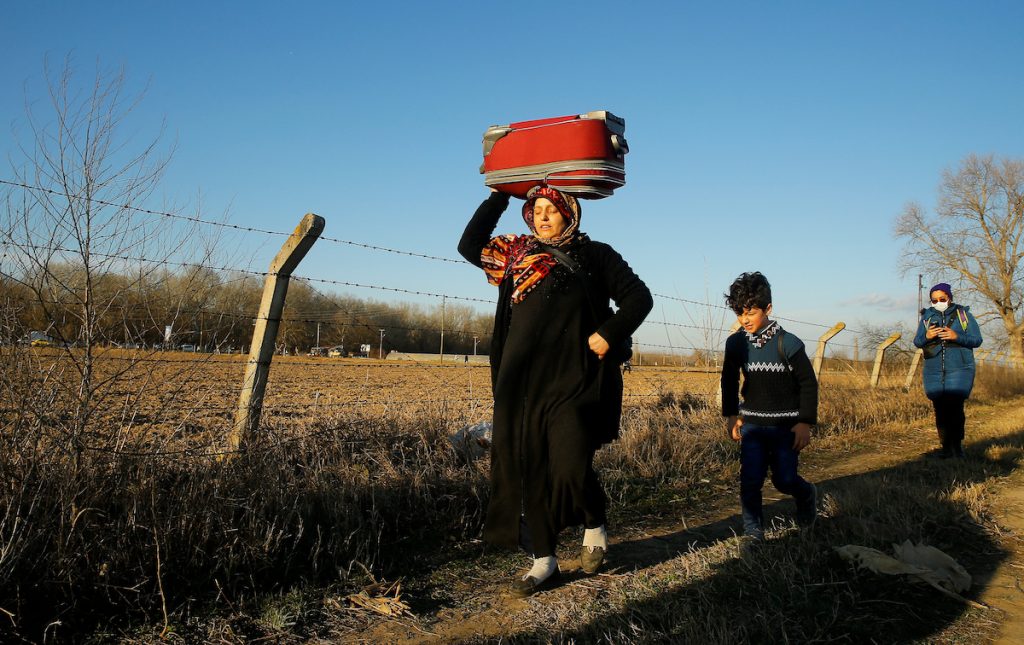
<point>710,587</point>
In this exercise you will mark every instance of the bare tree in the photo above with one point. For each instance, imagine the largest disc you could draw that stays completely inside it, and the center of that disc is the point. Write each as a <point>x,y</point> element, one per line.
<point>871,335</point>
<point>975,236</point>
<point>74,230</point>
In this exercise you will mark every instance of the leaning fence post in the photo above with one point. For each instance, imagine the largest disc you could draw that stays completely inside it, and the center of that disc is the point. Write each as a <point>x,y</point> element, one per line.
<point>819,353</point>
<point>275,288</point>
<point>879,355</point>
<point>914,362</point>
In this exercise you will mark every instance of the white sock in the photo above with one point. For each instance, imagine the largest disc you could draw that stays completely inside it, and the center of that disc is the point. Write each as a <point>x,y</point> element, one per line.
<point>542,568</point>
<point>595,538</point>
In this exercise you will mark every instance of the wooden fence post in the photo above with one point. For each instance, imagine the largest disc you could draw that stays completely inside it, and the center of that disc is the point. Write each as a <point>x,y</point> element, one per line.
<point>914,362</point>
<point>819,353</point>
<point>878,357</point>
<point>261,351</point>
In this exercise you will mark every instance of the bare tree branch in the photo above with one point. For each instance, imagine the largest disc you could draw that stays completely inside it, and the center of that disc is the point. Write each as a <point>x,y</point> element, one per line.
<point>975,236</point>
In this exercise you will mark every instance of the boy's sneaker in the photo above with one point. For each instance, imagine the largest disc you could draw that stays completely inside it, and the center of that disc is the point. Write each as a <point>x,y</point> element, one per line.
<point>755,535</point>
<point>806,517</point>
<point>749,543</point>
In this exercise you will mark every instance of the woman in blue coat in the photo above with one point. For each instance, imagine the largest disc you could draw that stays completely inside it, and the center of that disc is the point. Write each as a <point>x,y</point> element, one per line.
<point>948,334</point>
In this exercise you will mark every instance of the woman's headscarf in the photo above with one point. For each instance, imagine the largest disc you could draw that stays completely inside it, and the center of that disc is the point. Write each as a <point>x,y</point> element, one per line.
<point>567,205</point>
<point>518,257</point>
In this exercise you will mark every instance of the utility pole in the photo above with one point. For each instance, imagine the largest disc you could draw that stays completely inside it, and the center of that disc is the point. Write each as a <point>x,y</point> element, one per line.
<point>474,344</point>
<point>318,334</point>
<point>920,289</point>
<point>441,355</point>
<point>380,351</point>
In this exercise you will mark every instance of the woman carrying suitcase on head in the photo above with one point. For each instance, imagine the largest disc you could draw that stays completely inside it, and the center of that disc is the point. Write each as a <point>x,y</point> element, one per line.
<point>555,358</point>
<point>948,334</point>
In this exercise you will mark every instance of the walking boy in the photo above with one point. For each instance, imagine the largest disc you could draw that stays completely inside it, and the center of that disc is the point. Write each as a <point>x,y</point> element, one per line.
<point>780,403</point>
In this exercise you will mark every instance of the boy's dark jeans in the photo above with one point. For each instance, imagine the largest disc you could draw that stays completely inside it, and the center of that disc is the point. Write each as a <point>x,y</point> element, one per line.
<point>765,447</point>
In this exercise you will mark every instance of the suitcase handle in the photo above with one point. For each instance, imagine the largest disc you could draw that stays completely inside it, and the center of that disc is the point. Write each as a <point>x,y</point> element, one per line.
<point>492,135</point>
<point>619,145</point>
<point>615,125</point>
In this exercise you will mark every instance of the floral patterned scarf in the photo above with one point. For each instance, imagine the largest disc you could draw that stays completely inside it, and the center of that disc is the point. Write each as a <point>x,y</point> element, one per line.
<point>518,256</point>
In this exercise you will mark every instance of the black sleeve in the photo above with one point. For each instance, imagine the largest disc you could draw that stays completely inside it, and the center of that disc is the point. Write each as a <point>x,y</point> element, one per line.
<point>807,385</point>
<point>631,296</point>
<point>730,382</point>
<point>481,227</point>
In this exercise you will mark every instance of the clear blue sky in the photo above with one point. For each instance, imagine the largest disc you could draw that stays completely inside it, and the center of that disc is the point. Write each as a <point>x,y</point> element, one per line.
<point>783,137</point>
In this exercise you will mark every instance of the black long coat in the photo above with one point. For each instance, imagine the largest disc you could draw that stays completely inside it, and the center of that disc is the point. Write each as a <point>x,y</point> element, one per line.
<point>551,392</point>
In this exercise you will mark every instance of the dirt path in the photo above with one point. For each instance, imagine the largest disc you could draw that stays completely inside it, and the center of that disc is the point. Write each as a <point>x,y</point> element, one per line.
<point>1005,590</point>
<point>485,609</point>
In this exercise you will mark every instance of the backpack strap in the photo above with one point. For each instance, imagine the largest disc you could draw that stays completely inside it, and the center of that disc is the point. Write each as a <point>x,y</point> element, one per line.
<point>782,350</point>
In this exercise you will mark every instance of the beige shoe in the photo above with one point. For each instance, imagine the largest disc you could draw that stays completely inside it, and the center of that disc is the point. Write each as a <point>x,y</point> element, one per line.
<point>523,587</point>
<point>591,558</point>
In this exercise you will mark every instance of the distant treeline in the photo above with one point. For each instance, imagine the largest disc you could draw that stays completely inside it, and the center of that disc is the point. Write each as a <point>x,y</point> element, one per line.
<point>217,311</point>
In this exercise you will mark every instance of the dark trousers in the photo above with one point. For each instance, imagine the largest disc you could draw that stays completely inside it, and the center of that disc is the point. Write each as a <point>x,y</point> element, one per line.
<point>949,420</point>
<point>764,448</point>
<point>573,494</point>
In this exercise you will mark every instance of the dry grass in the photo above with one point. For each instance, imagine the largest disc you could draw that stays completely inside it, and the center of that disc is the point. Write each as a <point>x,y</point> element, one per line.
<point>354,467</point>
<point>794,588</point>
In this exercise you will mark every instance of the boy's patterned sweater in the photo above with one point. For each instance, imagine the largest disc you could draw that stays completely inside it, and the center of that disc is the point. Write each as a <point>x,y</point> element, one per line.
<point>779,387</point>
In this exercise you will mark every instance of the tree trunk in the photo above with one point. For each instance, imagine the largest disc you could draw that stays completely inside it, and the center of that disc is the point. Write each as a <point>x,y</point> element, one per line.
<point>1015,337</point>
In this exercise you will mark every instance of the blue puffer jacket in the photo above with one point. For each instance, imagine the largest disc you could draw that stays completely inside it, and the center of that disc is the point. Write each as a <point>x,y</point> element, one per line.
<point>949,365</point>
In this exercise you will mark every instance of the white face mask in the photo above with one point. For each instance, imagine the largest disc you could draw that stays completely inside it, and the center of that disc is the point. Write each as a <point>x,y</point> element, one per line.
<point>941,306</point>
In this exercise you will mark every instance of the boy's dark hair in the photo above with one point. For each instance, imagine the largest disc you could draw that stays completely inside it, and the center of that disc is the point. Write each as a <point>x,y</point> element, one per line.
<point>748,291</point>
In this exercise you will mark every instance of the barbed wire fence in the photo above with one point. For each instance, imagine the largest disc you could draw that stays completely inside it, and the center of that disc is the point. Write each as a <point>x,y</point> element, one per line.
<point>304,387</point>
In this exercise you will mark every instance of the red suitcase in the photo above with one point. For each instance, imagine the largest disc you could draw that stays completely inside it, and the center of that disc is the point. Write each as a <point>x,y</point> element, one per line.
<point>581,154</point>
